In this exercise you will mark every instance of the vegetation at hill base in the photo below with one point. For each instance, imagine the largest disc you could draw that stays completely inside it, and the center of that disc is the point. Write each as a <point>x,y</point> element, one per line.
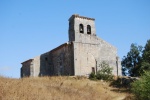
<point>141,87</point>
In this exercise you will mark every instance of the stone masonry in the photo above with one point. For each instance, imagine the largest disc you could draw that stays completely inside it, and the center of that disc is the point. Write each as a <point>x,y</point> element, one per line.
<point>81,55</point>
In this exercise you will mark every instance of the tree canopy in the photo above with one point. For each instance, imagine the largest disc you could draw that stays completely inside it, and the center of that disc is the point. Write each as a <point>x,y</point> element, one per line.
<point>145,64</point>
<point>137,60</point>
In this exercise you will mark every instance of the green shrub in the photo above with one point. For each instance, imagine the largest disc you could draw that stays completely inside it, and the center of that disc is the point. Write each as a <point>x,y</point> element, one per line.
<point>104,76</point>
<point>141,87</point>
<point>92,76</point>
<point>105,73</point>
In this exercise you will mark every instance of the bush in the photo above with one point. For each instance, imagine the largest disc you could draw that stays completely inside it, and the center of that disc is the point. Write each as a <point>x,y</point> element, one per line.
<point>92,76</point>
<point>105,73</point>
<point>141,87</point>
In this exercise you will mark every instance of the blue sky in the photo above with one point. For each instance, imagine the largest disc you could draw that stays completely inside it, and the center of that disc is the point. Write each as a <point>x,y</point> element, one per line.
<point>29,28</point>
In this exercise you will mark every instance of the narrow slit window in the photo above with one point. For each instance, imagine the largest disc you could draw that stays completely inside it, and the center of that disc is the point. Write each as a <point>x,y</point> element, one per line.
<point>88,29</point>
<point>81,29</point>
<point>93,70</point>
<point>46,58</point>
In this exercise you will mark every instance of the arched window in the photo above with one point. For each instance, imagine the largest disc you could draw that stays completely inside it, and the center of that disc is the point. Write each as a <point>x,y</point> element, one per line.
<point>88,29</point>
<point>81,28</point>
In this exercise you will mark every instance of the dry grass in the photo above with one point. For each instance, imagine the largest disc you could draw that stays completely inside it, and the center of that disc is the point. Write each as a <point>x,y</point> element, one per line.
<point>57,88</point>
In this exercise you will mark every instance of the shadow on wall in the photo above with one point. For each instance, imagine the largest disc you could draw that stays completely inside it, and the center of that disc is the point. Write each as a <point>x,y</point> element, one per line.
<point>25,72</point>
<point>27,68</point>
<point>59,61</point>
<point>46,67</point>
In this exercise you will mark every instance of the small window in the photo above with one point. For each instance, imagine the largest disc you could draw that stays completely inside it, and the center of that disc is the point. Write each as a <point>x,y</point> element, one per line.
<point>81,28</point>
<point>46,58</point>
<point>60,63</point>
<point>93,70</point>
<point>88,29</point>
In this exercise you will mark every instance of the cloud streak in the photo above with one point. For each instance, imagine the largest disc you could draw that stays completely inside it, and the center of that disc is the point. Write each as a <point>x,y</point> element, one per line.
<point>6,68</point>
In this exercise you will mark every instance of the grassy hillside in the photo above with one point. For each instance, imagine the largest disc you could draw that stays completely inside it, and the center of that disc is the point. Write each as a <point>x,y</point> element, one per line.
<point>57,88</point>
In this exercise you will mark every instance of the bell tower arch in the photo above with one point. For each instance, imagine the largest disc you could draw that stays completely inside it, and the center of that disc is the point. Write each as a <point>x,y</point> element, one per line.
<point>81,27</point>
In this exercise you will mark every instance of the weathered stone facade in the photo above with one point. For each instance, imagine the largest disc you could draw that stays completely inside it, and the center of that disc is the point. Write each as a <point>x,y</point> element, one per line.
<point>83,53</point>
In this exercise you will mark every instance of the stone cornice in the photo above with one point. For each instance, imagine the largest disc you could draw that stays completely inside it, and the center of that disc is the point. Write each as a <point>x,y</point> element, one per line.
<point>78,16</point>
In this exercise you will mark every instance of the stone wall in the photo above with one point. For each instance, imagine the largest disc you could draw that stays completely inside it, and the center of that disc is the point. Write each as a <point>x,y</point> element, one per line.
<point>31,67</point>
<point>27,68</point>
<point>58,61</point>
<point>90,55</point>
<point>62,59</point>
<point>36,66</point>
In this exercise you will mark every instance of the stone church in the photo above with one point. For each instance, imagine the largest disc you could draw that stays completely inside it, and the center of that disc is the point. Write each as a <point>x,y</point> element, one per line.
<point>81,55</point>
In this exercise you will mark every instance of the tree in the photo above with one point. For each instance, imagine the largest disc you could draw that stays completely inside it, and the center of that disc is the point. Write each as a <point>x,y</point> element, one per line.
<point>145,64</point>
<point>130,63</point>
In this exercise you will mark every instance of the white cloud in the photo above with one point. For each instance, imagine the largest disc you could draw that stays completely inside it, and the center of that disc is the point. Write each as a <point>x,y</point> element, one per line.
<point>6,68</point>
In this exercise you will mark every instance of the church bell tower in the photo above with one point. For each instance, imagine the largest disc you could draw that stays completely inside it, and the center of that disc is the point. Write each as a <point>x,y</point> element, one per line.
<point>81,27</point>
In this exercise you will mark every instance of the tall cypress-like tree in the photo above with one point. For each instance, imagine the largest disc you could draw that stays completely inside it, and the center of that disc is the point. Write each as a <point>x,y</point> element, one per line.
<point>131,62</point>
<point>145,64</point>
